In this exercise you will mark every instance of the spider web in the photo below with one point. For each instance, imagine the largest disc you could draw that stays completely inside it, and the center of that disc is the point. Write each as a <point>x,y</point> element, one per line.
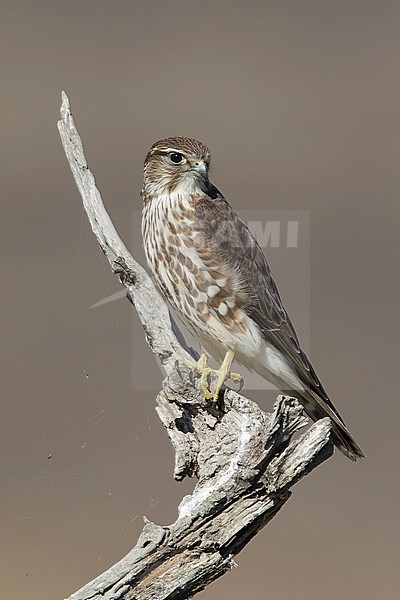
<point>102,459</point>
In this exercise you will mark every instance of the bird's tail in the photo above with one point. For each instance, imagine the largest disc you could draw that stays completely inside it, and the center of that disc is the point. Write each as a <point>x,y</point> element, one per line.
<point>317,409</point>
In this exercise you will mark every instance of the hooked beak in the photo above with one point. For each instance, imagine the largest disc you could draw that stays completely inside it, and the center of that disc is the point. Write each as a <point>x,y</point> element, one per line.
<point>199,166</point>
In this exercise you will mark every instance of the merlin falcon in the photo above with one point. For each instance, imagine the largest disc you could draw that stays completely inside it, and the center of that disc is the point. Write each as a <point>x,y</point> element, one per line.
<point>210,268</point>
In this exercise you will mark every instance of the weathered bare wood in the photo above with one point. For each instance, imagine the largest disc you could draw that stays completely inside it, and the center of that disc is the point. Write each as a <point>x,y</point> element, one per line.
<point>244,458</point>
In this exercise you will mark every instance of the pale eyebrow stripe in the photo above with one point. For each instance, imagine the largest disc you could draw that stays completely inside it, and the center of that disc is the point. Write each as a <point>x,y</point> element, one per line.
<point>166,151</point>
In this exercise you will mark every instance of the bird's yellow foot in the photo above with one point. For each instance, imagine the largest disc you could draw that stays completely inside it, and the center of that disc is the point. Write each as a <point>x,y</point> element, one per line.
<point>222,374</point>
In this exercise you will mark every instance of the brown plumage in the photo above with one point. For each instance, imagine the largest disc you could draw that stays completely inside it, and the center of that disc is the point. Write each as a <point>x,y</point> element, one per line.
<point>211,269</point>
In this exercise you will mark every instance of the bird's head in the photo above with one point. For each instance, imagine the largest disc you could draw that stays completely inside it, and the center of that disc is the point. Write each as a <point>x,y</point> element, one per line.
<point>176,164</point>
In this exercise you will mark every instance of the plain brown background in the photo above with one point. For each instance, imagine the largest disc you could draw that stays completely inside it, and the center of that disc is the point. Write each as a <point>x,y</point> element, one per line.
<point>299,101</point>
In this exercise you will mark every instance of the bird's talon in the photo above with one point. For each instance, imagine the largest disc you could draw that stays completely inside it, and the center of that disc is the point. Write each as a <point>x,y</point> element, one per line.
<point>207,393</point>
<point>236,377</point>
<point>203,383</point>
<point>221,374</point>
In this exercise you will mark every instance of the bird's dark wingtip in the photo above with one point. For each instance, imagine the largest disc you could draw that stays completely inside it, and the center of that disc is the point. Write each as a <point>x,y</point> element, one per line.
<point>345,443</point>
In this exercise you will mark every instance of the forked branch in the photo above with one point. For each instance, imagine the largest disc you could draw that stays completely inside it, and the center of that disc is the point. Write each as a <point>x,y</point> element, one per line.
<point>244,459</point>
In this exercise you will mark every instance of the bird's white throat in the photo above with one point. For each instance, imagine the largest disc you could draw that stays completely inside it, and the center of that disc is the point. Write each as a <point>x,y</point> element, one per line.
<point>188,184</point>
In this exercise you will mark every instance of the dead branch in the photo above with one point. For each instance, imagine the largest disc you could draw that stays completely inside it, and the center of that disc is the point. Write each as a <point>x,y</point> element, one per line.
<point>244,458</point>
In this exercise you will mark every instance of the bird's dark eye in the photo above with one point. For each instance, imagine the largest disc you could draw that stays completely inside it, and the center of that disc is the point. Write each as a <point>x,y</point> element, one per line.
<point>176,158</point>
